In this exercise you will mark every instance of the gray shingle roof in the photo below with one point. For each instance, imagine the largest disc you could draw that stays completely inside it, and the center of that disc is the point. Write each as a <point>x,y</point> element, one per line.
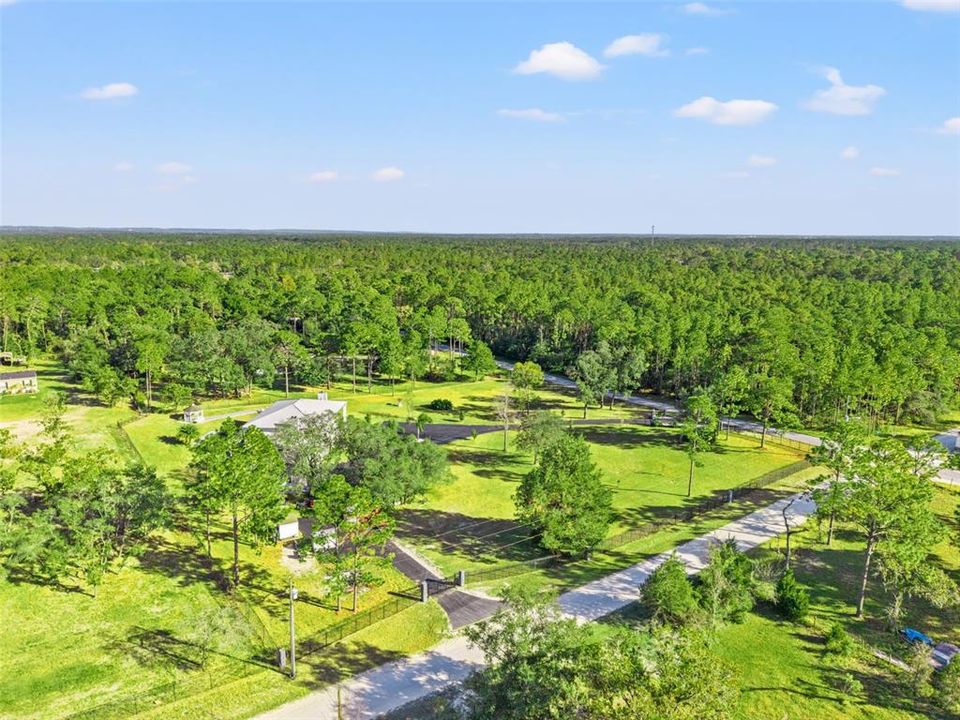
<point>19,375</point>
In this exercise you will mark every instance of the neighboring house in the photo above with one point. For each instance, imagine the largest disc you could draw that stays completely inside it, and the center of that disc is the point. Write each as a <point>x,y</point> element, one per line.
<point>193,414</point>
<point>22,381</point>
<point>284,410</point>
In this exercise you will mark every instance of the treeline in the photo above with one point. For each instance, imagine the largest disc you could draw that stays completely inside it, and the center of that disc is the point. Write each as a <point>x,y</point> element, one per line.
<point>826,328</point>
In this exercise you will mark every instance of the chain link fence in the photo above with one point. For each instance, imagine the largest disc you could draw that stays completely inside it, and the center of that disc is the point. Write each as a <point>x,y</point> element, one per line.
<point>642,531</point>
<point>410,596</point>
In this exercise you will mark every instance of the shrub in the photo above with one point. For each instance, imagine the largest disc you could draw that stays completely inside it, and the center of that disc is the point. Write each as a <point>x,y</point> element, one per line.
<point>188,434</point>
<point>921,671</point>
<point>947,682</point>
<point>668,594</point>
<point>838,641</point>
<point>441,405</point>
<point>850,687</point>
<point>792,600</point>
<point>726,584</point>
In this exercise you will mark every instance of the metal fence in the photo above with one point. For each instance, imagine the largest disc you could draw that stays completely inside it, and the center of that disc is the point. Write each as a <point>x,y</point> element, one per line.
<point>773,438</point>
<point>407,597</point>
<point>642,531</point>
<point>705,506</point>
<point>167,693</point>
<point>361,620</point>
<point>519,568</point>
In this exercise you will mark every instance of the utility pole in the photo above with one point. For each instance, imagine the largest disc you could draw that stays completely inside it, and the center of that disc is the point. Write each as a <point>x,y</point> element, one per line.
<point>293,636</point>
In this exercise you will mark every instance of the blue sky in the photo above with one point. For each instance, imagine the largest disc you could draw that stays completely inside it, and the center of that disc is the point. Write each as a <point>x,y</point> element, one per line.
<point>770,117</point>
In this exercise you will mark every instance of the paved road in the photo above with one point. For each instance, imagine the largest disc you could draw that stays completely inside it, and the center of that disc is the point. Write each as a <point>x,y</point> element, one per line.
<point>392,685</point>
<point>666,406</point>
<point>409,564</point>
<point>951,441</point>
<point>464,608</point>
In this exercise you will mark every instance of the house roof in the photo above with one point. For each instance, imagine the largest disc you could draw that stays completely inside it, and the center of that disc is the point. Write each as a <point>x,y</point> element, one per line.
<point>283,410</point>
<point>193,408</point>
<point>19,375</point>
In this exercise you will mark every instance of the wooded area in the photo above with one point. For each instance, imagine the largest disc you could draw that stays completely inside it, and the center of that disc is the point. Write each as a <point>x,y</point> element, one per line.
<point>788,330</point>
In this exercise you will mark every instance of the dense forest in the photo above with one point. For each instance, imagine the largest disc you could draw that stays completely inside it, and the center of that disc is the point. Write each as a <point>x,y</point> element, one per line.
<point>791,330</point>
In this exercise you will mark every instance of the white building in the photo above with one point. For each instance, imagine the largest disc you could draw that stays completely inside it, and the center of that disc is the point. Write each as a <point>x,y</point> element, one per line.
<point>284,410</point>
<point>20,381</point>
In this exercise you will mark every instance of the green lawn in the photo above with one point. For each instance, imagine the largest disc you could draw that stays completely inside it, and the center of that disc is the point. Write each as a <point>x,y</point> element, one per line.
<point>467,524</point>
<point>66,651</point>
<point>72,651</point>
<point>476,399</point>
<point>781,664</point>
<point>604,562</point>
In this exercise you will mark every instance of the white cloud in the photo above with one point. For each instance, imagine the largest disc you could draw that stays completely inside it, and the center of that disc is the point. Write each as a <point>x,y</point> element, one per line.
<point>850,153</point>
<point>649,44</point>
<point>731,112</point>
<point>388,174</point>
<point>110,91</point>
<point>843,99</point>
<point>7,2</point>
<point>535,114</point>
<point>884,172</point>
<point>697,51</point>
<point>323,176</point>
<point>188,180</point>
<point>123,166</point>
<point>950,127</point>
<point>761,161</point>
<point>174,168</point>
<point>562,59</point>
<point>699,8</point>
<point>932,5</point>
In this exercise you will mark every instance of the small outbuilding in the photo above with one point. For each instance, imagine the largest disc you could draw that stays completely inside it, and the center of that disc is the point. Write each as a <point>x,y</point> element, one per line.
<point>21,381</point>
<point>193,414</point>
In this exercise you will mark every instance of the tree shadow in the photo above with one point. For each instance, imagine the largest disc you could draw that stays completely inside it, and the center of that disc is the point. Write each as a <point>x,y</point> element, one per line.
<point>334,663</point>
<point>629,437</point>
<point>485,540</point>
<point>184,564</point>
<point>161,647</point>
<point>25,576</point>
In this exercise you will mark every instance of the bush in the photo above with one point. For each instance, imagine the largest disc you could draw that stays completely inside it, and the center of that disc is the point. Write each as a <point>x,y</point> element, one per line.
<point>921,671</point>
<point>947,682</point>
<point>726,584</point>
<point>838,641</point>
<point>188,434</point>
<point>792,600</point>
<point>441,405</point>
<point>850,687</point>
<point>668,593</point>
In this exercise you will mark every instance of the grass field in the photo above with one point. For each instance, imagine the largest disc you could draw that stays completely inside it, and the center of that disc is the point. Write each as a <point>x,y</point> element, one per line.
<point>72,651</point>
<point>781,665</point>
<point>69,651</point>
<point>468,523</point>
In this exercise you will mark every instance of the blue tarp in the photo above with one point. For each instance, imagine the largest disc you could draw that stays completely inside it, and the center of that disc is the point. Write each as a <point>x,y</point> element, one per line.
<point>915,636</point>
